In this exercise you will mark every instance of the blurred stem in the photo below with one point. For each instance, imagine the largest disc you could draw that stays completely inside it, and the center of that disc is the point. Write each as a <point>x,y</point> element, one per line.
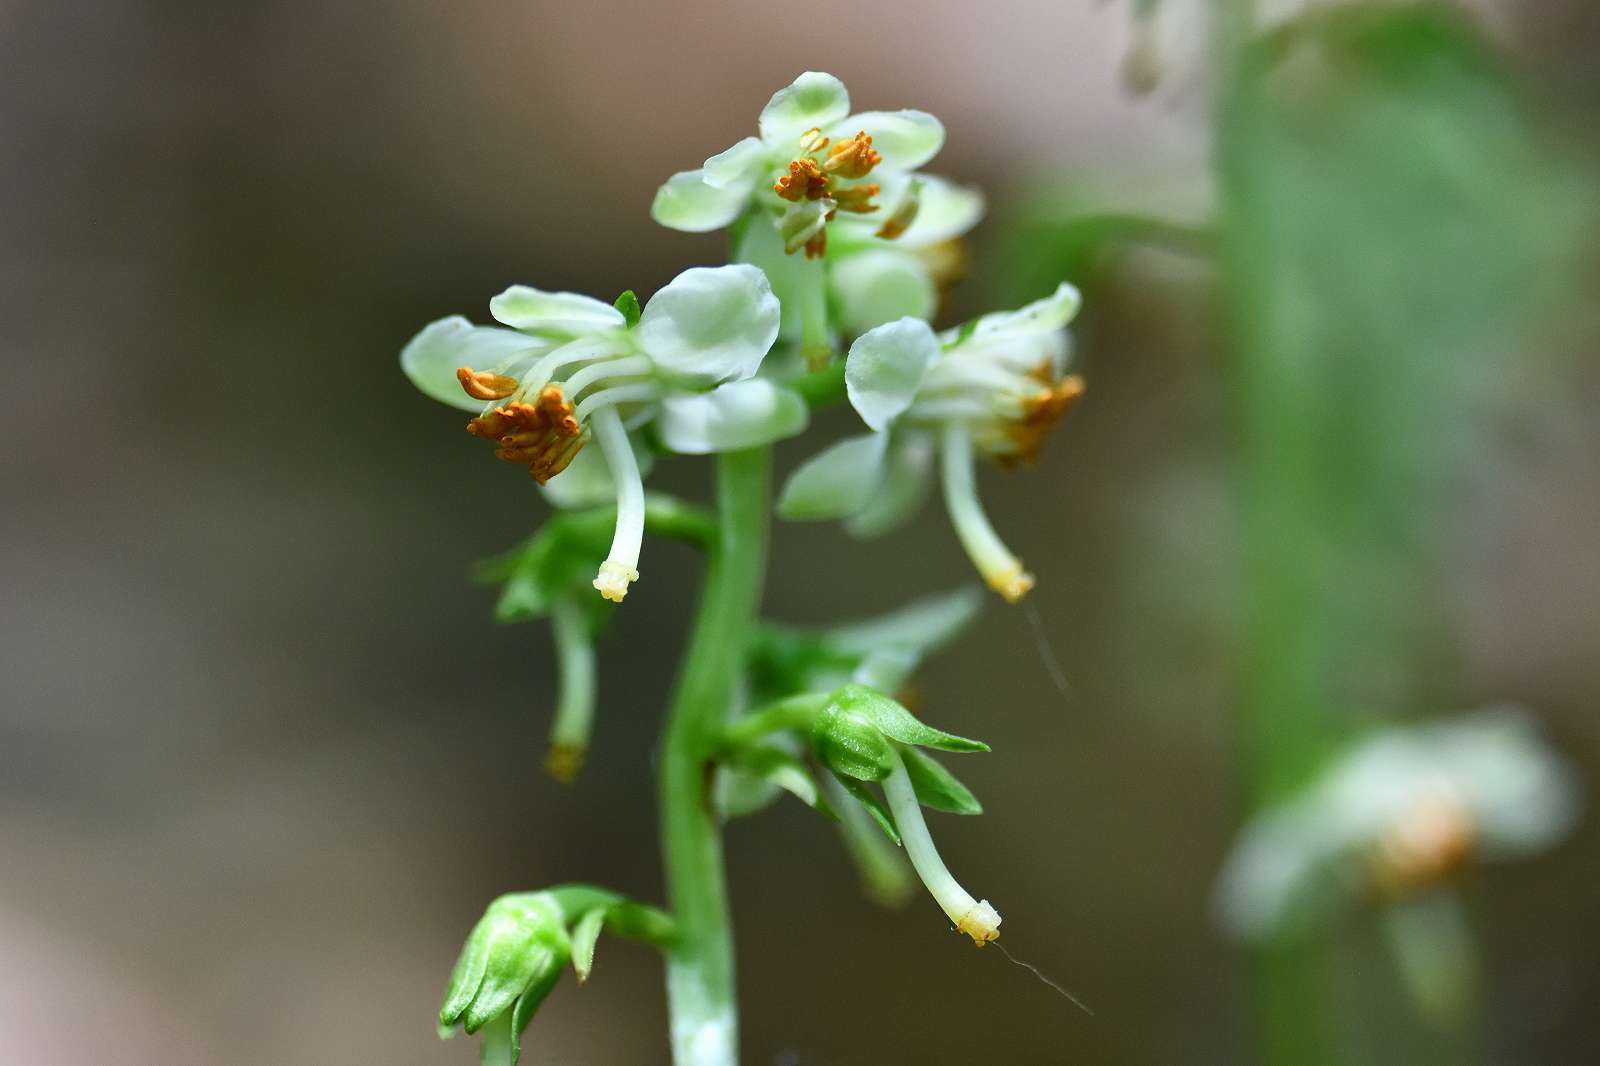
<point>700,970</point>
<point>1284,728</point>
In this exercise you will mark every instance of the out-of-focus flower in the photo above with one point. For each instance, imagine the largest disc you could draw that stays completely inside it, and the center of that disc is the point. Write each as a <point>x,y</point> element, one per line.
<point>1397,816</point>
<point>997,385</point>
<point>572,367</point>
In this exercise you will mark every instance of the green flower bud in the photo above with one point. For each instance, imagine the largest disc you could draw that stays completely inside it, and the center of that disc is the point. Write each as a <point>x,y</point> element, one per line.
<point>849,743</point>
<point>510,962</point>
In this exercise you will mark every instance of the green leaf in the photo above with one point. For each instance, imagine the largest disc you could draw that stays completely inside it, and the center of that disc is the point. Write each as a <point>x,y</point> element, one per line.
<point>628,304</point>
<point>584,935</point>
<point>935,786</point>
<point>850,744</point>
<point>875,806</point>
<point>897,723</point>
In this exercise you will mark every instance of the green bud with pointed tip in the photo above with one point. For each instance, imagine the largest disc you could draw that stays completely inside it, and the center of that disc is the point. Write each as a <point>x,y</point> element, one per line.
<point>509,963</point>
<point>851,745</point>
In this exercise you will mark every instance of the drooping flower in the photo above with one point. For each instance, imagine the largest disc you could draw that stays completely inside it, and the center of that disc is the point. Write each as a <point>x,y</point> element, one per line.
<point>813,169</point>
<point>996,386</point>
<point>1398,816</point>
<point>863,736</point>
<point>571,368</point>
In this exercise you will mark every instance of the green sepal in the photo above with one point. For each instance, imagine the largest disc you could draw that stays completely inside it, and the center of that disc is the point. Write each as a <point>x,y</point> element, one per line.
<point>584,935</point>
<point>529,1002</point>
<point>897,723</point>
<point>851,744</point>
<point>559,558</point>
<point>937,787</point>
<point>778,767</point>
<point>965,330</point>
<point>875,806</point>
<point>641,922</point>
<point>628,304</point>
<point>465,980</point>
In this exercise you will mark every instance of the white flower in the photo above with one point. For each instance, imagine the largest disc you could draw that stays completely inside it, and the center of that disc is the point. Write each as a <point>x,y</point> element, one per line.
<point>814,162</point>
<point>996,385</point>
<point>1399,814</point>
<point>572,368</point>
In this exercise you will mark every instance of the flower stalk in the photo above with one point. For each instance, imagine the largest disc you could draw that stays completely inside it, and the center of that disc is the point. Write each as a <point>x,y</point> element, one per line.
<point>700,966</point>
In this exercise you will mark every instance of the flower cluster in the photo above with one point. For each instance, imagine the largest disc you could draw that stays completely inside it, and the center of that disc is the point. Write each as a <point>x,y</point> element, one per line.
<point>839,243</point>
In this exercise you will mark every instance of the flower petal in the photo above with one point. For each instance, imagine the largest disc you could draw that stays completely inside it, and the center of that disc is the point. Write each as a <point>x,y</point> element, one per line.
<point>837,482</point>
<point>881,285</point>
<point>689,203</point>
<point>946,211</point>
<point>906,482</point>
<point>432,357</point>
<point>1042,316</point>
<point>562,315</point>
<point>711,324</point>
<point>813,99</point>
<point>905,139</point>
<point>740,414</point>
<point>737,167</point>
<point>885,366</point>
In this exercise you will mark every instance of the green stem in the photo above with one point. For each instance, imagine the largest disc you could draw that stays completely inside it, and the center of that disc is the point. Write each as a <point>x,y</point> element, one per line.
<point>1285,729</point>
<point>700,970</point>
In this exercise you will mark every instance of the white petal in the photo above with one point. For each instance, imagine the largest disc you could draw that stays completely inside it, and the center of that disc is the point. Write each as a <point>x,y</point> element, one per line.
<point>1042,316</point>
<point>837,482</point>
<point>906,482</point>
<point>885,366</point>
<point>1522,794</point>
<point>711,324</point>
<point>813,99</point>
<point>740,414</point>
<point>905,139</point>
<point>554,314</point>
<point>878,286</point>
<point>1277,876</point>
<point>587,482</point>
<point>737,167</point>
<point>687,202</point>
<point>433,356</point>
<point>946,211</point>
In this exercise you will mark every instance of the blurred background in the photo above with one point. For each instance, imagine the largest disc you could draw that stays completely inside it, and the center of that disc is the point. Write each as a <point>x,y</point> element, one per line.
<point>264,756</point>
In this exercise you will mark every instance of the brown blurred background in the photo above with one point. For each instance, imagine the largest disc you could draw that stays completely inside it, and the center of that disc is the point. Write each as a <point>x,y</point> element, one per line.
<point>263,754</point>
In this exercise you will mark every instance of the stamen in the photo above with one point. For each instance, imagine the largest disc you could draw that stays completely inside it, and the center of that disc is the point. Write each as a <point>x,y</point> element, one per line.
<point>621,567</point>
<point>852,158</point>
<point>905,213</point>
<point>812,141</point>
<point>543,436</point>
<point>574,717</point>
<point>1002,570</point>
<point>803,182</point>
<point>973,917</point>
<point>856,199</point>
<point>582,350</point>
<point>485,384</point>
<point>1040,413</point>
<point>615,396</point>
